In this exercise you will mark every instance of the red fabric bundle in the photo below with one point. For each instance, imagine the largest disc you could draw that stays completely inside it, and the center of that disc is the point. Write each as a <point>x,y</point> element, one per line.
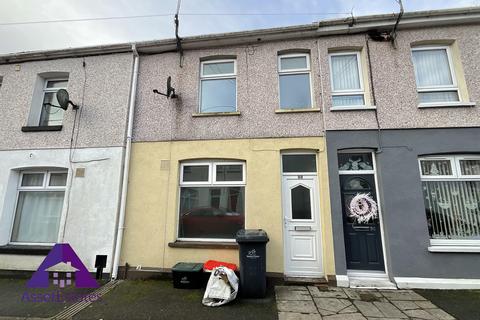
<point>212,264</point>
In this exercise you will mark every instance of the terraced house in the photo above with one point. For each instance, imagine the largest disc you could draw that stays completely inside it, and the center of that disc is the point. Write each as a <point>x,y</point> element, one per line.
<point>61,170</point>
<point>353,143</point>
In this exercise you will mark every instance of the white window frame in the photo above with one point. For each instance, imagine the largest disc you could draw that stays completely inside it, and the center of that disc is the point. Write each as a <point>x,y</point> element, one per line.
<point>211,183</point>
<point>218,77</point>
<point>306,70</point>
<point>357,92</point>
<point>452,245</point>
<point>232,183</point>
<point>441,158</point>
<point>459,169</point>
<point>442,88</point>
<point>44,187</point>
<point>196,164</point>
<point>49,90</point>
<point>356,172</point>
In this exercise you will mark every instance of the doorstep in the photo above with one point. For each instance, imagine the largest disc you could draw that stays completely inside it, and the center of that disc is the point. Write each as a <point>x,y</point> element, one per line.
<point>365,279</point>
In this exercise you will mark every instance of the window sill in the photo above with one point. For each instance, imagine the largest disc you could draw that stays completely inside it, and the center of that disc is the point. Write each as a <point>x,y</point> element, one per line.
<point>446,245</point>
<point>297,110</point>
<point>353,108</point>
<point>33,250</point>
<point>203,245</point>
<point>216,114</point>
<point>447,105</point>
<point>41,128</point>
<point>454,249</point>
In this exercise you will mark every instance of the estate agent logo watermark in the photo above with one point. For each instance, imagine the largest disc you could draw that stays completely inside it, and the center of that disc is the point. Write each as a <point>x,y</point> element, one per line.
<point>61,268</point>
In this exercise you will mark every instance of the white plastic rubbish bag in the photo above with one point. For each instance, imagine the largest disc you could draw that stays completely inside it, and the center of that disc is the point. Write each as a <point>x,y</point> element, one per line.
<point>222,287</point>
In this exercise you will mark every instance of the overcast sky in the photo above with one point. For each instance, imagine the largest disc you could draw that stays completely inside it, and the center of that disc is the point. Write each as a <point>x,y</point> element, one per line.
<point>40,36</point>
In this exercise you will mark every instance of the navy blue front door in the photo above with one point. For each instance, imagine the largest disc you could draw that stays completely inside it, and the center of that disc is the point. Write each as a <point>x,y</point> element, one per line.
<point>363,243</point>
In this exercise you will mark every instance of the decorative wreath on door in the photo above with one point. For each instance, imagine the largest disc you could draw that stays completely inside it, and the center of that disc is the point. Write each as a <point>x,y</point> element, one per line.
<point>363,208</point>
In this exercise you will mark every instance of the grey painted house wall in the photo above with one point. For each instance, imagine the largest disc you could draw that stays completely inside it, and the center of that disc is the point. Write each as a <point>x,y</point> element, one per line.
<point>406,237</point>
<point>401,196</point>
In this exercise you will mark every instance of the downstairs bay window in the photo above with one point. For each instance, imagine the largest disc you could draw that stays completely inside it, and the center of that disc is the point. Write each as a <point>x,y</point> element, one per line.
<point>212,200</point>
<point>40,196</point>
<point>451,189</point>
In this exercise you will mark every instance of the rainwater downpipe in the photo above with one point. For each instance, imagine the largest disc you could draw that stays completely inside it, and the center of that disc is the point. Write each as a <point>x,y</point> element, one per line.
<point>126,167</point>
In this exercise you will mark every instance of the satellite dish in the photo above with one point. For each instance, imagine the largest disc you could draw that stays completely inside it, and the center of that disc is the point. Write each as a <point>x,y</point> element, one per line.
<point>63,101</point>
<point>170,90</point>
<point>63,98</point>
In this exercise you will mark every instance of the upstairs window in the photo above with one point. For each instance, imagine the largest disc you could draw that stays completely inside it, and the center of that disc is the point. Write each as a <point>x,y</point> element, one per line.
<point>346,79</point>
<point>42,116</point>
<point>51,116</point>
<point>294,79</point>
<point>40,196</point>
<point>434,75</point>
<point>218,86</point>
<point>212,200</point>
<point>451,189</point>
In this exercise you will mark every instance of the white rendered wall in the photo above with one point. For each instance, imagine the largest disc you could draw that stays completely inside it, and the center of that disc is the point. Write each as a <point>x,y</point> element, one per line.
<point>89,224</point>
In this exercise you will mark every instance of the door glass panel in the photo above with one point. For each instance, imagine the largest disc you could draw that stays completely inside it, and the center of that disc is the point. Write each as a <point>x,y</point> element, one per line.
<point>356,184</point>
<point>301,207</point>
<point>355,161</point>
<point>299,163</point>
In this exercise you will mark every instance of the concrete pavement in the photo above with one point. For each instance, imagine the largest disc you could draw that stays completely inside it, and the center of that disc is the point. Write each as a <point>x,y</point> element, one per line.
<point>328,303</point>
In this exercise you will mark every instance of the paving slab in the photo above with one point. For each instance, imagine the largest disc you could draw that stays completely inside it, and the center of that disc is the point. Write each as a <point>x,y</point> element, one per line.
<point>292,288</point>
<point>364,295</point>
<point>407,305</point>
<point>425,304</point>
<point>383,318</point>
<point>284,294</point>
<point>368,309</point>
<point>440,314</point>
<point>352,303</point>
<point>327,293</point>
<point>349,309</point>
<point>402,295</point>
<point>330,306</point>
<point>349,316</point>
<point>389,310</point>
<point>420,314</point>
<point>297,316</point>
<point>297,306</point>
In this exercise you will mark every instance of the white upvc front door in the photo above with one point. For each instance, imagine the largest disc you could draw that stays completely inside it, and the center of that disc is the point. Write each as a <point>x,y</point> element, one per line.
<point>302,235</point>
